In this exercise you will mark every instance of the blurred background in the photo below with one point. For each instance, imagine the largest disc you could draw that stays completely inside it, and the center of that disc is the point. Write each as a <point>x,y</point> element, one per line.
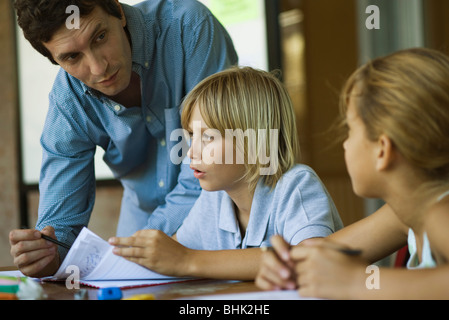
<point>316,44</point>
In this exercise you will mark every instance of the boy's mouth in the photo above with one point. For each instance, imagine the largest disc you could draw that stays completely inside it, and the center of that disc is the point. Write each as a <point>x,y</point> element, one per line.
<point>197,173</point>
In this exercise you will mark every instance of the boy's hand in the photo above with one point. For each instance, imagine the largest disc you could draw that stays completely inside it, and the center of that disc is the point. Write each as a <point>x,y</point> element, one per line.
<point>154,250</point>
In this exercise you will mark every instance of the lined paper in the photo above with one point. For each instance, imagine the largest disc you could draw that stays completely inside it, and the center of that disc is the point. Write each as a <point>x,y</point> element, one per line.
<point>99,267</point>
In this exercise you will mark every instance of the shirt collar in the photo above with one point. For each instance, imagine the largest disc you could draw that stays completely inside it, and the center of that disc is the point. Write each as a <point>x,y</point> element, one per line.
<point>259,216</point>
<point>227,220</point>
<point>141,34</point>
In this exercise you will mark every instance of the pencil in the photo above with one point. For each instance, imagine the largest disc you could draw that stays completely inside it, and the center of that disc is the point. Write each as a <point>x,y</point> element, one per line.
<point>349,252</point>
<point>59,243</point>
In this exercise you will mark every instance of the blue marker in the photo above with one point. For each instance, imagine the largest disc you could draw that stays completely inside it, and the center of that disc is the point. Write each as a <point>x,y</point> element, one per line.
<point>112,293</point>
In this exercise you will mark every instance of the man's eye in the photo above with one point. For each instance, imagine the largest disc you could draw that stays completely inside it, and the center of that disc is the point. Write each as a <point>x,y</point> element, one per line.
<point>72,57</point>
<point>101,36</point>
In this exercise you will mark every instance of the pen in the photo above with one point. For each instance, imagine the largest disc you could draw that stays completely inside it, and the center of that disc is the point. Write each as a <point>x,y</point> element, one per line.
<point>349,252</point>
<point>59,243</point>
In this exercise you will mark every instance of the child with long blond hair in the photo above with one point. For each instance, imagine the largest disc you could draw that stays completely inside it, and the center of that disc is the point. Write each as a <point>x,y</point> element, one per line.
<point>252,189</point>
<point>396,110</point>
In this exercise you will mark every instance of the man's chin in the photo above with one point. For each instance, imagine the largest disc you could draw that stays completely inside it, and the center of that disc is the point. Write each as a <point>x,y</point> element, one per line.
<point>109,92</point>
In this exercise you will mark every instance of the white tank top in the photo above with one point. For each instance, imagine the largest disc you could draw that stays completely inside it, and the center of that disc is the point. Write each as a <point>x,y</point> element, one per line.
<point>427,260</point>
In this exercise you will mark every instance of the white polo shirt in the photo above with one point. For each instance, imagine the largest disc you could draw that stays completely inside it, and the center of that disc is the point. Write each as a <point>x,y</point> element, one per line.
<point>297,209</point>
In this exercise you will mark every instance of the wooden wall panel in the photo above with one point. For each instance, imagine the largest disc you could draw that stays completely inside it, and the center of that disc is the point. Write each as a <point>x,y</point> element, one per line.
<point>331,55</point>
<point>9,199</point>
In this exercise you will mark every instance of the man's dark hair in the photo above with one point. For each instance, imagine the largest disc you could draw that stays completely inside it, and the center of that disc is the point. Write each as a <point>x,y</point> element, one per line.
<point>40,19</point>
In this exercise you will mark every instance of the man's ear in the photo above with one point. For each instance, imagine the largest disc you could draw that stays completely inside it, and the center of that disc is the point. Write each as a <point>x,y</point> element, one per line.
<point>123,19</point>
<point>385,153</point>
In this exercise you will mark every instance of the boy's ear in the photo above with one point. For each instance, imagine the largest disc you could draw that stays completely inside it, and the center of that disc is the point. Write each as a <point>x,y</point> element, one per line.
<point>385,153</point>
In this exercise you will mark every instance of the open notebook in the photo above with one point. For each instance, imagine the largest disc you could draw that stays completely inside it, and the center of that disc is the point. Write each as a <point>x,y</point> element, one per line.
<point>99,267</point>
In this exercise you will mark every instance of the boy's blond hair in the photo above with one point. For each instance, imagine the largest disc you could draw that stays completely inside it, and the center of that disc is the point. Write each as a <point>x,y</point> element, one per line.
<point>246,98</point>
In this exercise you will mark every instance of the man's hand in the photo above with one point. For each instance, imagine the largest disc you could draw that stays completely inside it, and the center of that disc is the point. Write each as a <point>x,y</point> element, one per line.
<point>33,255</point>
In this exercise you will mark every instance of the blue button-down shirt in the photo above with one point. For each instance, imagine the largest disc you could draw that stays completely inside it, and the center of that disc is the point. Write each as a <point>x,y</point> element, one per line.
<point>175,44</point>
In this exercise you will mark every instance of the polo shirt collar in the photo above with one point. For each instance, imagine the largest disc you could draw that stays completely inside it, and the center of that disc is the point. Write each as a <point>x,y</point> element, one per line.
<point>258,220</point>
<point>227,219</point>
<point>259,216</point>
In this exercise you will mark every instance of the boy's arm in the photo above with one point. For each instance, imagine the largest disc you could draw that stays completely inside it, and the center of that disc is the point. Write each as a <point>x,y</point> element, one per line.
<point>239,264</point>
<point>156,251</point>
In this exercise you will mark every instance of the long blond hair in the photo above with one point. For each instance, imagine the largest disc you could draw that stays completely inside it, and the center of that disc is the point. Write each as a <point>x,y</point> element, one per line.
<point>405,95</point>
<point>246,98</point>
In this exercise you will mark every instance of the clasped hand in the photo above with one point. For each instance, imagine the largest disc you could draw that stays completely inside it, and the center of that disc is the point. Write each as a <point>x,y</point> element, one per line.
<point>317,268</point>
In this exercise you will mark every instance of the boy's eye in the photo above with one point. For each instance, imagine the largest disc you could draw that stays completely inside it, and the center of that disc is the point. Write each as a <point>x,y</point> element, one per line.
<point>207,138</point>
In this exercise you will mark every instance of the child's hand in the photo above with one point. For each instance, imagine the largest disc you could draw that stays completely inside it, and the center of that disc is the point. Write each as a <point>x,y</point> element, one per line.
<point>154,250</point>
<point>277,270</point>
<point>323,271</point>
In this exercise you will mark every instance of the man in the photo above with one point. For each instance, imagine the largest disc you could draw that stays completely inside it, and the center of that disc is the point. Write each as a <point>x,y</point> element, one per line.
<point>124,71</point>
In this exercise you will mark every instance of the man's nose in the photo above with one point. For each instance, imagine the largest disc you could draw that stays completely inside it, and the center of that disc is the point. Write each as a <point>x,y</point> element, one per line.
<point>97,65</point>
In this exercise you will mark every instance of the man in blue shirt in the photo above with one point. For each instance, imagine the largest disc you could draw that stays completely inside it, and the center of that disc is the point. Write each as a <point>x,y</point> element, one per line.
<point>124,72</point>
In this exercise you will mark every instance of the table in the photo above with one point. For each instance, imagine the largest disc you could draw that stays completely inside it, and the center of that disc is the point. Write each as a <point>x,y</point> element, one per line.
<point>168,300</point>
<point>182,289</point>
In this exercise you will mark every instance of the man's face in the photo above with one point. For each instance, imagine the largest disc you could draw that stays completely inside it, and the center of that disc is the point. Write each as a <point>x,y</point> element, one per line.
<point>98,53</point>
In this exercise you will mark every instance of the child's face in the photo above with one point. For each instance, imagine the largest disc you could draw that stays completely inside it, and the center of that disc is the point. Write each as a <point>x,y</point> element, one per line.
<point>359,153</point>
<point>212,167</point>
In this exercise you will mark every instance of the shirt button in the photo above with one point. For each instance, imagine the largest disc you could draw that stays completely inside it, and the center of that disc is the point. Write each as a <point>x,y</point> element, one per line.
<point>161,184</point>
<point>117,108</point>
<point>163,142</point>
<point>146,64</point>
<point>148,119</point>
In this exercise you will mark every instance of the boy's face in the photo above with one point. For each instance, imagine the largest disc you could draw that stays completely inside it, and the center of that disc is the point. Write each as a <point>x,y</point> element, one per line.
<point>212,167</point>
<point>98,53</point>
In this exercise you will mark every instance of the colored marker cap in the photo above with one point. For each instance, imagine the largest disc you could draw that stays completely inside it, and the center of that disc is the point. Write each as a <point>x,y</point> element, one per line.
<point>112,293</point>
